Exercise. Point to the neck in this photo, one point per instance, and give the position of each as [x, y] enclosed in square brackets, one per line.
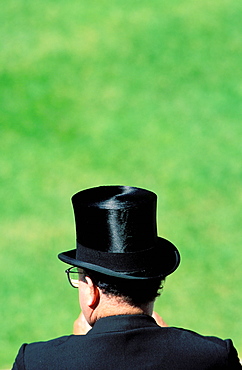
[113, 307]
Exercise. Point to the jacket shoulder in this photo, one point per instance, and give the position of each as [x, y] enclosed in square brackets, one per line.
[209, 347]
[41, 354]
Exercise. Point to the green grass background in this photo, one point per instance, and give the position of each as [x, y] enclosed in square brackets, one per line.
[136, 93]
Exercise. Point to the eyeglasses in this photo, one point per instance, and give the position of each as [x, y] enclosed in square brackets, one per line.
[74, 275]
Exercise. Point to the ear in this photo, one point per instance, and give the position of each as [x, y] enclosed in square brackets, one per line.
[92, 293]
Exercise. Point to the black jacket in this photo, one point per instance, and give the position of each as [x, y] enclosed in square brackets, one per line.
[129, 342]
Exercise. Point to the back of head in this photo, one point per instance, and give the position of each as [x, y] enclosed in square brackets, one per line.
[132, 292]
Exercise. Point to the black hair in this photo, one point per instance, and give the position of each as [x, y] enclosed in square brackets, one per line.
[134, 292]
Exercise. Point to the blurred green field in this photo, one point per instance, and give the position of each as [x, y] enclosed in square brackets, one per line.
[134, 93]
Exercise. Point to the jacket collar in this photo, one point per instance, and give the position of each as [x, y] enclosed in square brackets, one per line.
[121, 323]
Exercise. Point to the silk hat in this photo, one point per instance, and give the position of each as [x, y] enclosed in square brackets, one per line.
[116, 234]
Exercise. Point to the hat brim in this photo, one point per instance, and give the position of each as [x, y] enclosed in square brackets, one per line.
[157, 262]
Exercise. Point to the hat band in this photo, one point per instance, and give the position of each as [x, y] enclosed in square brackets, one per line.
[122, 262]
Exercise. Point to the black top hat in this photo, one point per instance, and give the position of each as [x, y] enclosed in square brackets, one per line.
[117, 236]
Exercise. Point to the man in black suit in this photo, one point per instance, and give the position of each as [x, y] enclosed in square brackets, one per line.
[118, 266]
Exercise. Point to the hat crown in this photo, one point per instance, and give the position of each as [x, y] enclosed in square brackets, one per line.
[115, 219]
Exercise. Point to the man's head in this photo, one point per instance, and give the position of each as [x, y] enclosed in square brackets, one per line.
[122, 261]
[101, 295]
[108, 295]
